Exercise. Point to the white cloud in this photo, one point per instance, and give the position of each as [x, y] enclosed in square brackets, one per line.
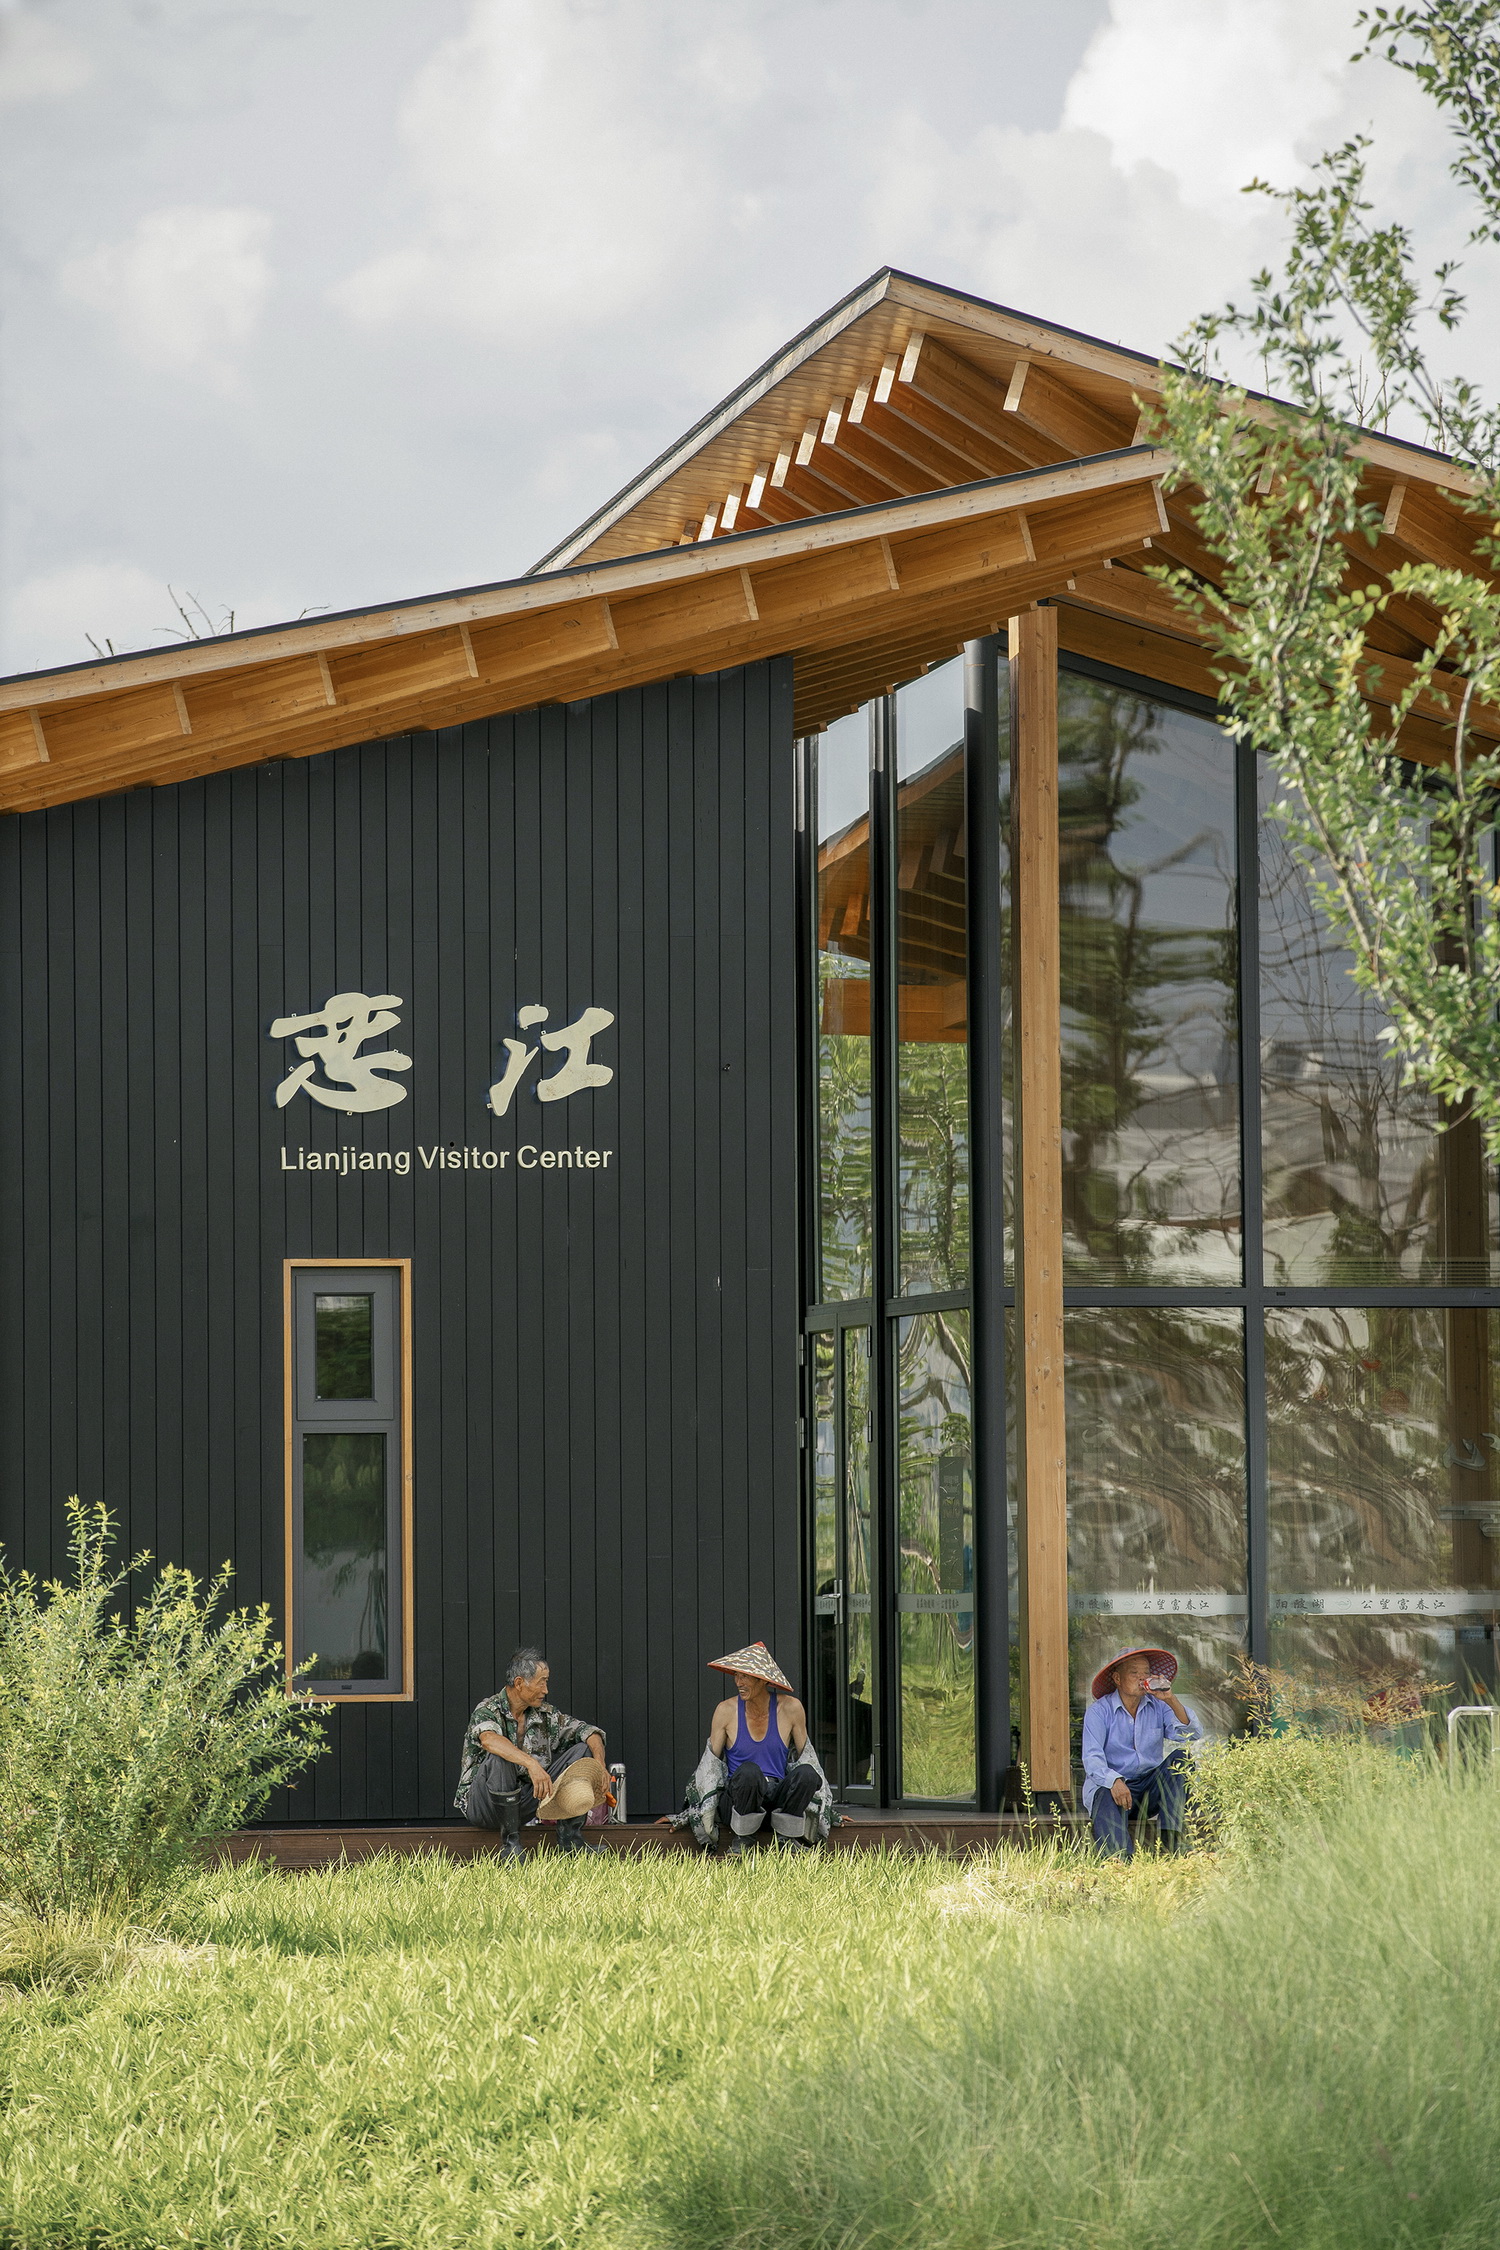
[38, 62]
[183, 291]
[55, 612]
[1214, 95]
[557, 149]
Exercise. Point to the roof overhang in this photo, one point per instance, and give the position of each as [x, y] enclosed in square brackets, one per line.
[1007, 390]
[860, 599]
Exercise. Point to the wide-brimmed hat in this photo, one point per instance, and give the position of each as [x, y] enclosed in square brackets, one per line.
[1160, 1660]
[582, 1785]
[757, 1660]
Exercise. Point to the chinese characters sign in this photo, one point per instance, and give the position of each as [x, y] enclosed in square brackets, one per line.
[331, 1036]
[335, 1073]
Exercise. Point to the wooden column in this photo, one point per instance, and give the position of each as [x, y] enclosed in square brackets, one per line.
[1042, 1486]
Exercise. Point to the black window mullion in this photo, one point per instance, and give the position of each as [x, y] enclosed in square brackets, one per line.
[1252, 1199]
[885, 1573]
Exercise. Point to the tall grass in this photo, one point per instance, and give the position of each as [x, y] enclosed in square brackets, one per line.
[1034, 2050]
[1308, 2056]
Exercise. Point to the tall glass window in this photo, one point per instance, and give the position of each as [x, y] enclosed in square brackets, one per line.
[1361, 1186]
[932, 984]
[841, 794]
[348, 1530]
[935, 1600]
[1151, 1170]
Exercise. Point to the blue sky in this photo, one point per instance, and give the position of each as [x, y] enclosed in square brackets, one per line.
[323, 302]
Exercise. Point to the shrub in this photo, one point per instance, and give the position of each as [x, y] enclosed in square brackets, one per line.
[1246, 1793]
[129, 1743]
[1307, 1744]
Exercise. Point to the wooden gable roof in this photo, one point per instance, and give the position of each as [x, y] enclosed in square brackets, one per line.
[913, 469]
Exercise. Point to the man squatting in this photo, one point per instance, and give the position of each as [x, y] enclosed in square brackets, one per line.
[523, 1759]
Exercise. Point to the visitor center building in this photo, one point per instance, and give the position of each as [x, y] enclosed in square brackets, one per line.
[773, 1078]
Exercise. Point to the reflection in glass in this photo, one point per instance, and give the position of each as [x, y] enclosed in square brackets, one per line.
[1151, 1182]
[344, 1346]
[1360, 1186]
[1157, 1538]
[827, 1588]
[1384, 1501]
[341, 1610]
[859, 1658]
[935, 1599]
[932, 1062]
[845, 1210]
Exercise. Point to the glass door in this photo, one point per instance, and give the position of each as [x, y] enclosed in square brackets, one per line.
[842, 1702]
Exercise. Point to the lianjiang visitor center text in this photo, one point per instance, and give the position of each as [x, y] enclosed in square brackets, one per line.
[770, 1079]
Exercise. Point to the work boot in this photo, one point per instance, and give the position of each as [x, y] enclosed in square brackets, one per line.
[570, 1835]
[509, 1802]
[741, 1847]
[794, 1844]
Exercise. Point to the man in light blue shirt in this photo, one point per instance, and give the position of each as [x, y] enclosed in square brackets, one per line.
[1133, 1733]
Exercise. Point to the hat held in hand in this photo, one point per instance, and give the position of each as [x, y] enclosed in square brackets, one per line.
[582, 1786]
[756, 1660]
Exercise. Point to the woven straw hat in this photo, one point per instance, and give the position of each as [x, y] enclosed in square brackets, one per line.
[1161, 1661]
[758, 1661]
[583, 1785]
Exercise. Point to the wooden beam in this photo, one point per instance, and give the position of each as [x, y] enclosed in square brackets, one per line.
[1042, 1478]
[1072, 424]
[971, 400]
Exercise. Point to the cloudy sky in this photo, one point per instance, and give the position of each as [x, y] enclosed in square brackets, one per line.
[311, 303]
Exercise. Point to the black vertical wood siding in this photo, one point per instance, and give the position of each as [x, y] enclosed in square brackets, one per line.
[604, 1362]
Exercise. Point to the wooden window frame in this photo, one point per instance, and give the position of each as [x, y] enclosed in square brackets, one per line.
[401, 1267]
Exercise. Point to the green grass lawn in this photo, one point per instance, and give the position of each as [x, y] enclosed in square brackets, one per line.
[845, 2052]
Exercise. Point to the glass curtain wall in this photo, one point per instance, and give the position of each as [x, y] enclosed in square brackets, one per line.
[1281, 1433]
[1282, 1268]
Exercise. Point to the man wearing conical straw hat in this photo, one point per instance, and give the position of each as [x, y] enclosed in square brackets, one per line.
[759, 1763]
[1135, 1733]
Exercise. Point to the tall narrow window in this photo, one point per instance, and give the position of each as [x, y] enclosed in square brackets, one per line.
[348, 1482]
[932, 1060]
[845, 1128]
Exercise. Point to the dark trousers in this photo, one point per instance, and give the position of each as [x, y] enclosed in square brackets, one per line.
[494, 1777]
[752, 1795]
[1162, 1791]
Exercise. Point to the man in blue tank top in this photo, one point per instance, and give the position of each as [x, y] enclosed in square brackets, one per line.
[758, 1732]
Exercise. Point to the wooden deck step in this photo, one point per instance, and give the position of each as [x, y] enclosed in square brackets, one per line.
[958, 1834]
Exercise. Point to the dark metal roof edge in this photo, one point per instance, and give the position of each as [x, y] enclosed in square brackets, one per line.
[576, 570]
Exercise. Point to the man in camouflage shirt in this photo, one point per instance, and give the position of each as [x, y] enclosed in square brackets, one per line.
[516, 1747]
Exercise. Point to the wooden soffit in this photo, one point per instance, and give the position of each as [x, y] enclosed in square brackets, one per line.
[902, 388]
[860, 600]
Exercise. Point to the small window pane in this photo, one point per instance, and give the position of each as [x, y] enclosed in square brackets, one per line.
[1381, 1427]
[1361, 1185]
[1157, 1516]
[1150, 1075]
[344, 1554]
[344, 1328]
